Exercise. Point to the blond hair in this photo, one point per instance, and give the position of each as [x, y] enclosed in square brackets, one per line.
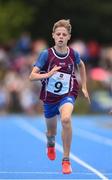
[63, 23]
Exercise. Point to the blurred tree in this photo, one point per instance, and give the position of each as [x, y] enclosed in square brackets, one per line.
[15, 16]
[90, 19]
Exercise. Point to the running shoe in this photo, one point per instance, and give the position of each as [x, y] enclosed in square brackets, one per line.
[66, 167]
[51, 153]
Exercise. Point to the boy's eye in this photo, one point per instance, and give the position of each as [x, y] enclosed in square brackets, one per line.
[64, 34]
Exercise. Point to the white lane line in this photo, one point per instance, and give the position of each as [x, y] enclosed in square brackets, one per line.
[46, 172]
[39, 135]
[41, 179]
[39, 172]
[93, 136]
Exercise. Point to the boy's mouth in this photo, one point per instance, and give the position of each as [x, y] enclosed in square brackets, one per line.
[60, 41]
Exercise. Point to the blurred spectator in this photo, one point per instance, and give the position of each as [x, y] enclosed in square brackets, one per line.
[101, 101]
[4, 98]
[81, 48]
[23, 44]
[29, 100]
[23, 97]
[4, 62]
[106, 58]
[3, 57]
[13, 84]
[93, 49]
[39, 45]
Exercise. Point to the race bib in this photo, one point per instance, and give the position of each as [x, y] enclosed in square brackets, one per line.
[59, 83]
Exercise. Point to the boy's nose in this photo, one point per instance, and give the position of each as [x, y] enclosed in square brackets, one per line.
[61, 36]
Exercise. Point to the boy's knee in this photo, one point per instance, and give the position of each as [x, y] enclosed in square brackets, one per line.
[66, 121]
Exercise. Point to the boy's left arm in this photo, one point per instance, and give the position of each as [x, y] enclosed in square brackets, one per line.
[82, 71]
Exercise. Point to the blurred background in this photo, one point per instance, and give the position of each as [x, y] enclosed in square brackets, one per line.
[25, 30]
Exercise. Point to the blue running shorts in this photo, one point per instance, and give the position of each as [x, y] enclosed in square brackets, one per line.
[51, 110]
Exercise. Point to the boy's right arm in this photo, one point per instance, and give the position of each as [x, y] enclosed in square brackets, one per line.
[36, 75]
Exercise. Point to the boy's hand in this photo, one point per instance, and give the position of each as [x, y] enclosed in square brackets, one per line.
[53, 70]
[86, 94]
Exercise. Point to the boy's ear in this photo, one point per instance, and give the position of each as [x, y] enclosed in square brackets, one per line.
[69, 36]
[53, 35]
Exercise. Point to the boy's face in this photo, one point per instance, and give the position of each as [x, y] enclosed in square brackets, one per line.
[61, 36]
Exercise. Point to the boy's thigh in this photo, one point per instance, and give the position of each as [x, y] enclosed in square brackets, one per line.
[50, 110]
[66, 106]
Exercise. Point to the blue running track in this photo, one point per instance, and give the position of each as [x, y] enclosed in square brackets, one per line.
[23, 148]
